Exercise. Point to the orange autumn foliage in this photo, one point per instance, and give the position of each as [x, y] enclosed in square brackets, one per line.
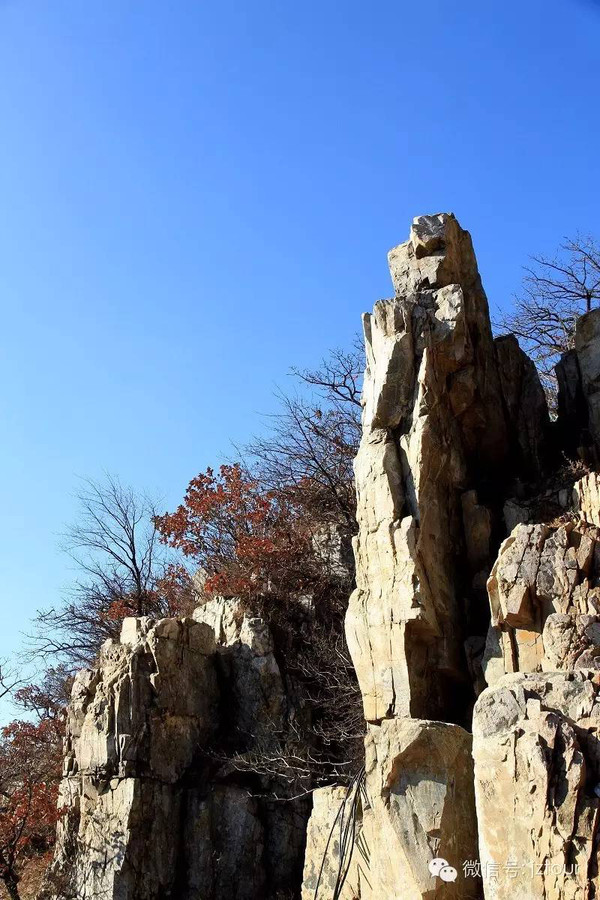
[249, 541]
[30, 759]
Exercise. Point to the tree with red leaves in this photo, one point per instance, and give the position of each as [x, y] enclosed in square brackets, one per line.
[30, 758]
[251, 543]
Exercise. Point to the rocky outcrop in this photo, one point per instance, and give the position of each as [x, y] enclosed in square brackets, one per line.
[154, 809]
[578, 376]
[544, 592]
[440, 435]
[537, 784]
[438, 439]
[455, 427]
[526, 408]
[586, 498]
[474, 578]
[416, 804]
[250, 678]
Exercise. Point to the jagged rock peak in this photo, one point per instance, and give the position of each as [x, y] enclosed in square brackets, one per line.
[440, 441]
[438, 252]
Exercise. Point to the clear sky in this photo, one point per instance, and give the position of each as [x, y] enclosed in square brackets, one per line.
[196, 196]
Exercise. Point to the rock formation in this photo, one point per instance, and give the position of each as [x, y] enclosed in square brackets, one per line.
[537, 776]
[151, 813]
[441, 438]
[545, 600]
[416, 803]
[579, 390]
[476, 608]
[455, 432]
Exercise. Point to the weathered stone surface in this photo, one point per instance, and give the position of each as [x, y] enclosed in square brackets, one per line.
[578, 375]
[436, 439]
[420, 791]
[536, 752]
[571, 642]
[586, 498]
[328, 824]
[332, 547]
[148, 706]
[249, 674]
[152, 813]
[572, 407]
[417, 804]
[541, 571]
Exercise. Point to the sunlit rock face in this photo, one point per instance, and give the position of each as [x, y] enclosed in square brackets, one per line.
[441, 437]
[416, 804]
[544, 592]
[537, 776]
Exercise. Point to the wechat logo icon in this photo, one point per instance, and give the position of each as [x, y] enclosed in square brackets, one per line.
[441, 868]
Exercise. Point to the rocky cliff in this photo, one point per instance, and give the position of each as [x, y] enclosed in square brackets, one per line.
[154, 807]
[474, 629]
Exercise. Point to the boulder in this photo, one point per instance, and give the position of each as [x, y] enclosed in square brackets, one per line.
[537, 786]
[416, 805]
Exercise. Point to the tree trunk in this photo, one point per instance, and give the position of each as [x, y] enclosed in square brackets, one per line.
[10, 883]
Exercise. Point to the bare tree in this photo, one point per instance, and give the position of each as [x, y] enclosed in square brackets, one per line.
[10, 681]
[339, 377]
[120, 564]
[313, 438]
[556, 291]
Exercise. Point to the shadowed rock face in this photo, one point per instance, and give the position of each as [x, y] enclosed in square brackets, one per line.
[578, 376]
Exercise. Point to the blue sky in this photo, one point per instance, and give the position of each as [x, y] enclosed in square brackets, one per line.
[197, 196]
